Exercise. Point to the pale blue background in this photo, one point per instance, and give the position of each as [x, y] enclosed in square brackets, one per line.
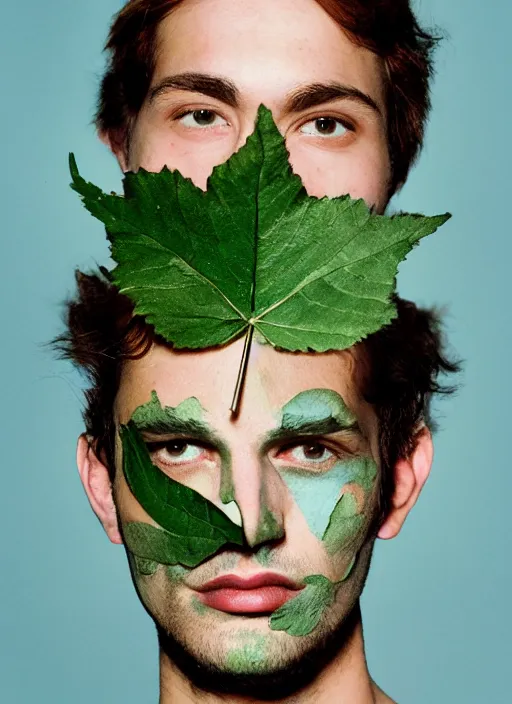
[437, 606]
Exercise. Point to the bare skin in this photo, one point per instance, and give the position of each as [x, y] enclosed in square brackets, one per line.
[217, 61]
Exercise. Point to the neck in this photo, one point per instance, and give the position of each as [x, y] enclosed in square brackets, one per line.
[345, 679]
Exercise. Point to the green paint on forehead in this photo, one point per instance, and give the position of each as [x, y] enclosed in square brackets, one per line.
[317, 494]
[314, 407]
[152, 413]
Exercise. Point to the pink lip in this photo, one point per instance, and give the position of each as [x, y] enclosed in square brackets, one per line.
[258, 594]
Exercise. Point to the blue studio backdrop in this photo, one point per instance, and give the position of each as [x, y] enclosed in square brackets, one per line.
[437, 604]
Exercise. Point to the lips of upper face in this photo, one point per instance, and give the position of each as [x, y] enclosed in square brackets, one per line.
[261, 593]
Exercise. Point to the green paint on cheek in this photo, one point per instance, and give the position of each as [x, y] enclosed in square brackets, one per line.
[349, 569]
[176, 573]
[145, 567]
[250, 657]
[152, 412]
[317, 494]
[317, 406]
[344, 524]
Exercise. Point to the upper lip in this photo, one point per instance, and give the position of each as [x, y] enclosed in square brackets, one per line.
[262, 579]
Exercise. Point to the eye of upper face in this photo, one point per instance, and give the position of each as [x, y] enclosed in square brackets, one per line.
[326, 127]
[201, 119]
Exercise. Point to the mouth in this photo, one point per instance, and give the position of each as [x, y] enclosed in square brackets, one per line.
[254, 595]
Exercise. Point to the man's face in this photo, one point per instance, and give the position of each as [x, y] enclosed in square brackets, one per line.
[303, 439]
[217, 61]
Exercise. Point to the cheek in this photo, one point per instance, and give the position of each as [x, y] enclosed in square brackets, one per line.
[361, 173]
[158, 587]
[194, 154]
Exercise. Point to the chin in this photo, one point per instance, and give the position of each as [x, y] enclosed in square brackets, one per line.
[249, 659]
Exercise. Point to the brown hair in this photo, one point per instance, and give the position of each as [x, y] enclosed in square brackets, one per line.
[388, 28]
[399, 373]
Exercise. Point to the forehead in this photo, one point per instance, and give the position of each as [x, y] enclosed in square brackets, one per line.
[295, 40]
[273, 379]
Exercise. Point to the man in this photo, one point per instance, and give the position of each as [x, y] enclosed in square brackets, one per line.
[249, 533]
[347, 82]
[216, 638]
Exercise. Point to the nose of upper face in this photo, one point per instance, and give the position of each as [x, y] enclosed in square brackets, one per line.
[261, 497]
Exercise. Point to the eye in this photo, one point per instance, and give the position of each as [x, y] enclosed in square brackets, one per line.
[325, 127]
[313, 452]
[201, 119]
[176, 452]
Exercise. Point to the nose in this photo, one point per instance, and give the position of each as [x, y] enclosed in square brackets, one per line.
[259, 493]
[249, 123]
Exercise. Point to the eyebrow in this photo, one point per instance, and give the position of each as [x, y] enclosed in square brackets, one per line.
[325, 426]
[192, 429]
[318, 93]
[224, 90]
[214, 86]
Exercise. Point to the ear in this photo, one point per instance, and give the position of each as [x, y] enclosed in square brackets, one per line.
[410, 477]
[115, 147]
[98, 487]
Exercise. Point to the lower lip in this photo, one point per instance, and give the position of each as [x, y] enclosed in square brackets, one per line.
[262, 600]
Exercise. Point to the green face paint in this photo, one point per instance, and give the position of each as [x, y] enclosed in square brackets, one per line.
[312, 410]
[176, 573]
[322, 411]
[318, 495]
[152, 414]
[250, 657]
[268, 527]
[345, 521]
[199, 607]
[334, 519]
[145, 567]
[194, 529]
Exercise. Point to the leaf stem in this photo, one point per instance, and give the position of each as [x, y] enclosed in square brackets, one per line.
[242, 372]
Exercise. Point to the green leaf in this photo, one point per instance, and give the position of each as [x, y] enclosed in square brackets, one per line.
[156, 545]
[344, 524]
[302, 614]
[253, 251]
[194, 528]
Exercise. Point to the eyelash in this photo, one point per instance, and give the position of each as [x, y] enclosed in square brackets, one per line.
[308, 441]
[347, 124]
[188, 111]
[278, 454]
